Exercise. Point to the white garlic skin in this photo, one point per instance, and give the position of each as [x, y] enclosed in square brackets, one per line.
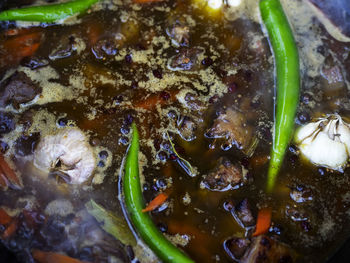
[325, 142]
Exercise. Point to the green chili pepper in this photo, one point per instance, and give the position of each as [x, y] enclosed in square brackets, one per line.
[288, 82]
[142, 222]
[47, 13]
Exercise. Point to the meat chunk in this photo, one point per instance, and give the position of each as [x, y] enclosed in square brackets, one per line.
[186, 59]
[68, 152]
[192, 102]
[34, 62]
[107, 46]
[18, 89]
[259, 249]
[301, 194]
[296, 214]
[225, 177]
[25, 145]
[7, 122]
[236, 247]
[179, 34]
[187, 128]
[265, 249]
[243, 214]
[68, 47]
[233, 127]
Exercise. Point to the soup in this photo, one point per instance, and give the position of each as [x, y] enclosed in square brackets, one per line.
[197, 78]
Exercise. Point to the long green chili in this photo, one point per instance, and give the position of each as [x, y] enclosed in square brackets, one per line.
[142, 222]
[47, 13]
[288, 82]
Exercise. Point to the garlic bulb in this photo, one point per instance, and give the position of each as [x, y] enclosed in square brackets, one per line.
[325, 142]
[67, 151]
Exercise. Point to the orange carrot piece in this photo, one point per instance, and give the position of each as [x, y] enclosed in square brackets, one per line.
[259, 160]
[10, 230]
[12, 32]
[4, 217]
[51, 257]
[156, 99]
[21, 41]
[20, 44]
[148, 103]
[27, 51]
[9, 173]
[157, 201]
[19, 31]
[263, 222]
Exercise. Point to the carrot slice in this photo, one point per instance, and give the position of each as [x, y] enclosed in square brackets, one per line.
[4, 217]
[156, 202]
[17, 43]
[263, 222]
[9, 173]
[153, 100]
[12, 32]
[19, 31]
[27, 51]
[51, 257]
[20, 44]
[259, 160]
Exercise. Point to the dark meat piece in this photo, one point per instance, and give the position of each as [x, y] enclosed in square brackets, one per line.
[301, 194]
[187, 128]
[232, 126]
[54, 232]
[17, 89]
[236, 247]
[194, 104]
[3, 147]
[265, 249]
[7, 122]
[224, 177]
[25, 145]
[296, 214]
[243, 214]
[34, 62]
[186, 59]
[66, 49]
[106, 47]
[26, 119]
[179, 34]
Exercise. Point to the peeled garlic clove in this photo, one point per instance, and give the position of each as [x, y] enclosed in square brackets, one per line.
[324, 151]
[343, 132]
[325, 142]
[306, 131]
